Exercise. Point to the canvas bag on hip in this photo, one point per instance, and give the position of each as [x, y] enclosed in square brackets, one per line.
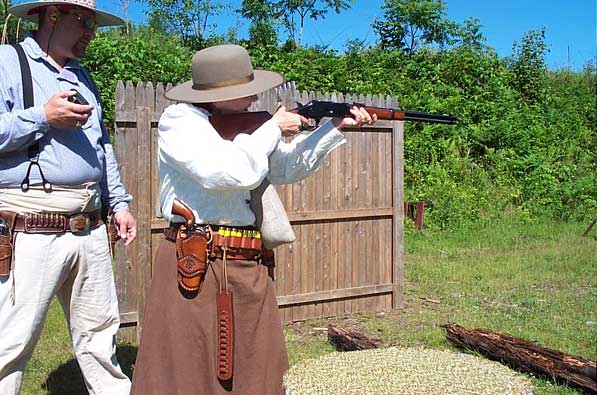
[270, 216]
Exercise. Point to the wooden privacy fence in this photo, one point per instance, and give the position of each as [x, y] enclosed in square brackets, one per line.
[348, 217]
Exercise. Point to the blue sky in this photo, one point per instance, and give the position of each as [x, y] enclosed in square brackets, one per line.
[571, 32]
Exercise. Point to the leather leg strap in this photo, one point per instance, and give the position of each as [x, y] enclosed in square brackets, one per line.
[225, 324]
[225, 335]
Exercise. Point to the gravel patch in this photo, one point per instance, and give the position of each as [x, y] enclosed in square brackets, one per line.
[401, 371]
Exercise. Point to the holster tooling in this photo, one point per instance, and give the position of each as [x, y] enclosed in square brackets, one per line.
[191, 249]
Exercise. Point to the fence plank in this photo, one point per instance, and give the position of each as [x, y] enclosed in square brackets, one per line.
[128, 313]
[398, 227]
[144, 256]
[335, 294]
[125, 277]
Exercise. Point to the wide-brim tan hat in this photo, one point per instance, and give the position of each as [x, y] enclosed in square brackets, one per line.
[27, 11]
[223, 72]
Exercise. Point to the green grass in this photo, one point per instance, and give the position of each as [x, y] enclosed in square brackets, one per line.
[531, 280]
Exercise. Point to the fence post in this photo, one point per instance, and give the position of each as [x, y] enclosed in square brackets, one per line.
[398, 214]
[143, 241]
[420, 215]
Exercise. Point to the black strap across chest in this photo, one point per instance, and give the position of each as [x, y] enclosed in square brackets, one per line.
[28, 101]
[26, 78]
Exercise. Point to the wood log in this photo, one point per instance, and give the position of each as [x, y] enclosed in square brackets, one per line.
[347, 340]
[527, 356]
[593, 222]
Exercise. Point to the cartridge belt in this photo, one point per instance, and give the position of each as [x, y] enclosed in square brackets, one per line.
[243, 243]
[56, 223]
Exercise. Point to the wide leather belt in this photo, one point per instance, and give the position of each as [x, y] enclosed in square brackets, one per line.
[242, 242]
[57, 223]
[235, 255]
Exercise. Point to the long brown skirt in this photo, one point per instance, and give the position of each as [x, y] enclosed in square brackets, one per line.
[177, 352]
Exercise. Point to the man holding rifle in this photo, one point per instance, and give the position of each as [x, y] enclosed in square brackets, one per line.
[58, 177]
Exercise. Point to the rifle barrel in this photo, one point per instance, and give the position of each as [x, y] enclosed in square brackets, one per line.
[390, 114]
[426, 117]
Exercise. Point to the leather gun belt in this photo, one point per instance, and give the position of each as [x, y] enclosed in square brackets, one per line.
[56, 223]
[243, 243]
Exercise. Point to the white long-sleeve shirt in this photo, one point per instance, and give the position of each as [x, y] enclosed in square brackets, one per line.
[215, 176]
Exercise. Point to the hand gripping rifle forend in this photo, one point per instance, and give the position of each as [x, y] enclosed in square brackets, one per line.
[191, 249]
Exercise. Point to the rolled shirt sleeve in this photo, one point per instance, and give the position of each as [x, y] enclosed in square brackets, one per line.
[304, 155]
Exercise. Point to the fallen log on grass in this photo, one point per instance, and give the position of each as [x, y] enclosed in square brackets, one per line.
[526, 356]
[347, 340]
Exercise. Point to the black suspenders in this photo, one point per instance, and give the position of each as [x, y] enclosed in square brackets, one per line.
[33, 151]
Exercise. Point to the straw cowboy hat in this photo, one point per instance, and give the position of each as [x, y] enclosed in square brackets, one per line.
[223, 72]
[29, 10]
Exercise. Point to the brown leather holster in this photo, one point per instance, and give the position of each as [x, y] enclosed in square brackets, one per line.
[111, 229]
[191, 249]
[191, 257]
[6, 242]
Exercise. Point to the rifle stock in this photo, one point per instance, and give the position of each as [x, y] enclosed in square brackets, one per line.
[231, 125]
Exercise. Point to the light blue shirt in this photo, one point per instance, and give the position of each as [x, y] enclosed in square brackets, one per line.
[67, 156]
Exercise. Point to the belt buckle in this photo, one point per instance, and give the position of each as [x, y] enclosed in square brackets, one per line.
[79, 223]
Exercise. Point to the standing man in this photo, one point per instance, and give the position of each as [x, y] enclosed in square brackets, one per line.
[57, 173]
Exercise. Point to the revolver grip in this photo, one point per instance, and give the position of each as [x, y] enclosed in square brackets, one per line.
[181, 209]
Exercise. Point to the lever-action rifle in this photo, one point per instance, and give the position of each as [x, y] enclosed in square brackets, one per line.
[229, 125]
[317, 109]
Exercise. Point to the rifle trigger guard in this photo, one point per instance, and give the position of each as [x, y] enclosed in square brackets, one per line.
[310, 128]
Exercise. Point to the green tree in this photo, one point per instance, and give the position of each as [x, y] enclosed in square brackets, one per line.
[469, 34]
[147, 56]
[287, 11]
[411, 24]
[528, 66]
[188, 19]
[12, 28]
[263, 28]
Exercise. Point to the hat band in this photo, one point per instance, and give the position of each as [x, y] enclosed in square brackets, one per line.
[222, 84]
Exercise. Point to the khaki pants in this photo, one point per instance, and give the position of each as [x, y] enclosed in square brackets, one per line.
[76, 268]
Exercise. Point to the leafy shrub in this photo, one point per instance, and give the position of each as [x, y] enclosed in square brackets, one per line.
[146, 56]
[525, 141]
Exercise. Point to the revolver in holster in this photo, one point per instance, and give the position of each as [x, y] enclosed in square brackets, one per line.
[191, 249]
[7, 220]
